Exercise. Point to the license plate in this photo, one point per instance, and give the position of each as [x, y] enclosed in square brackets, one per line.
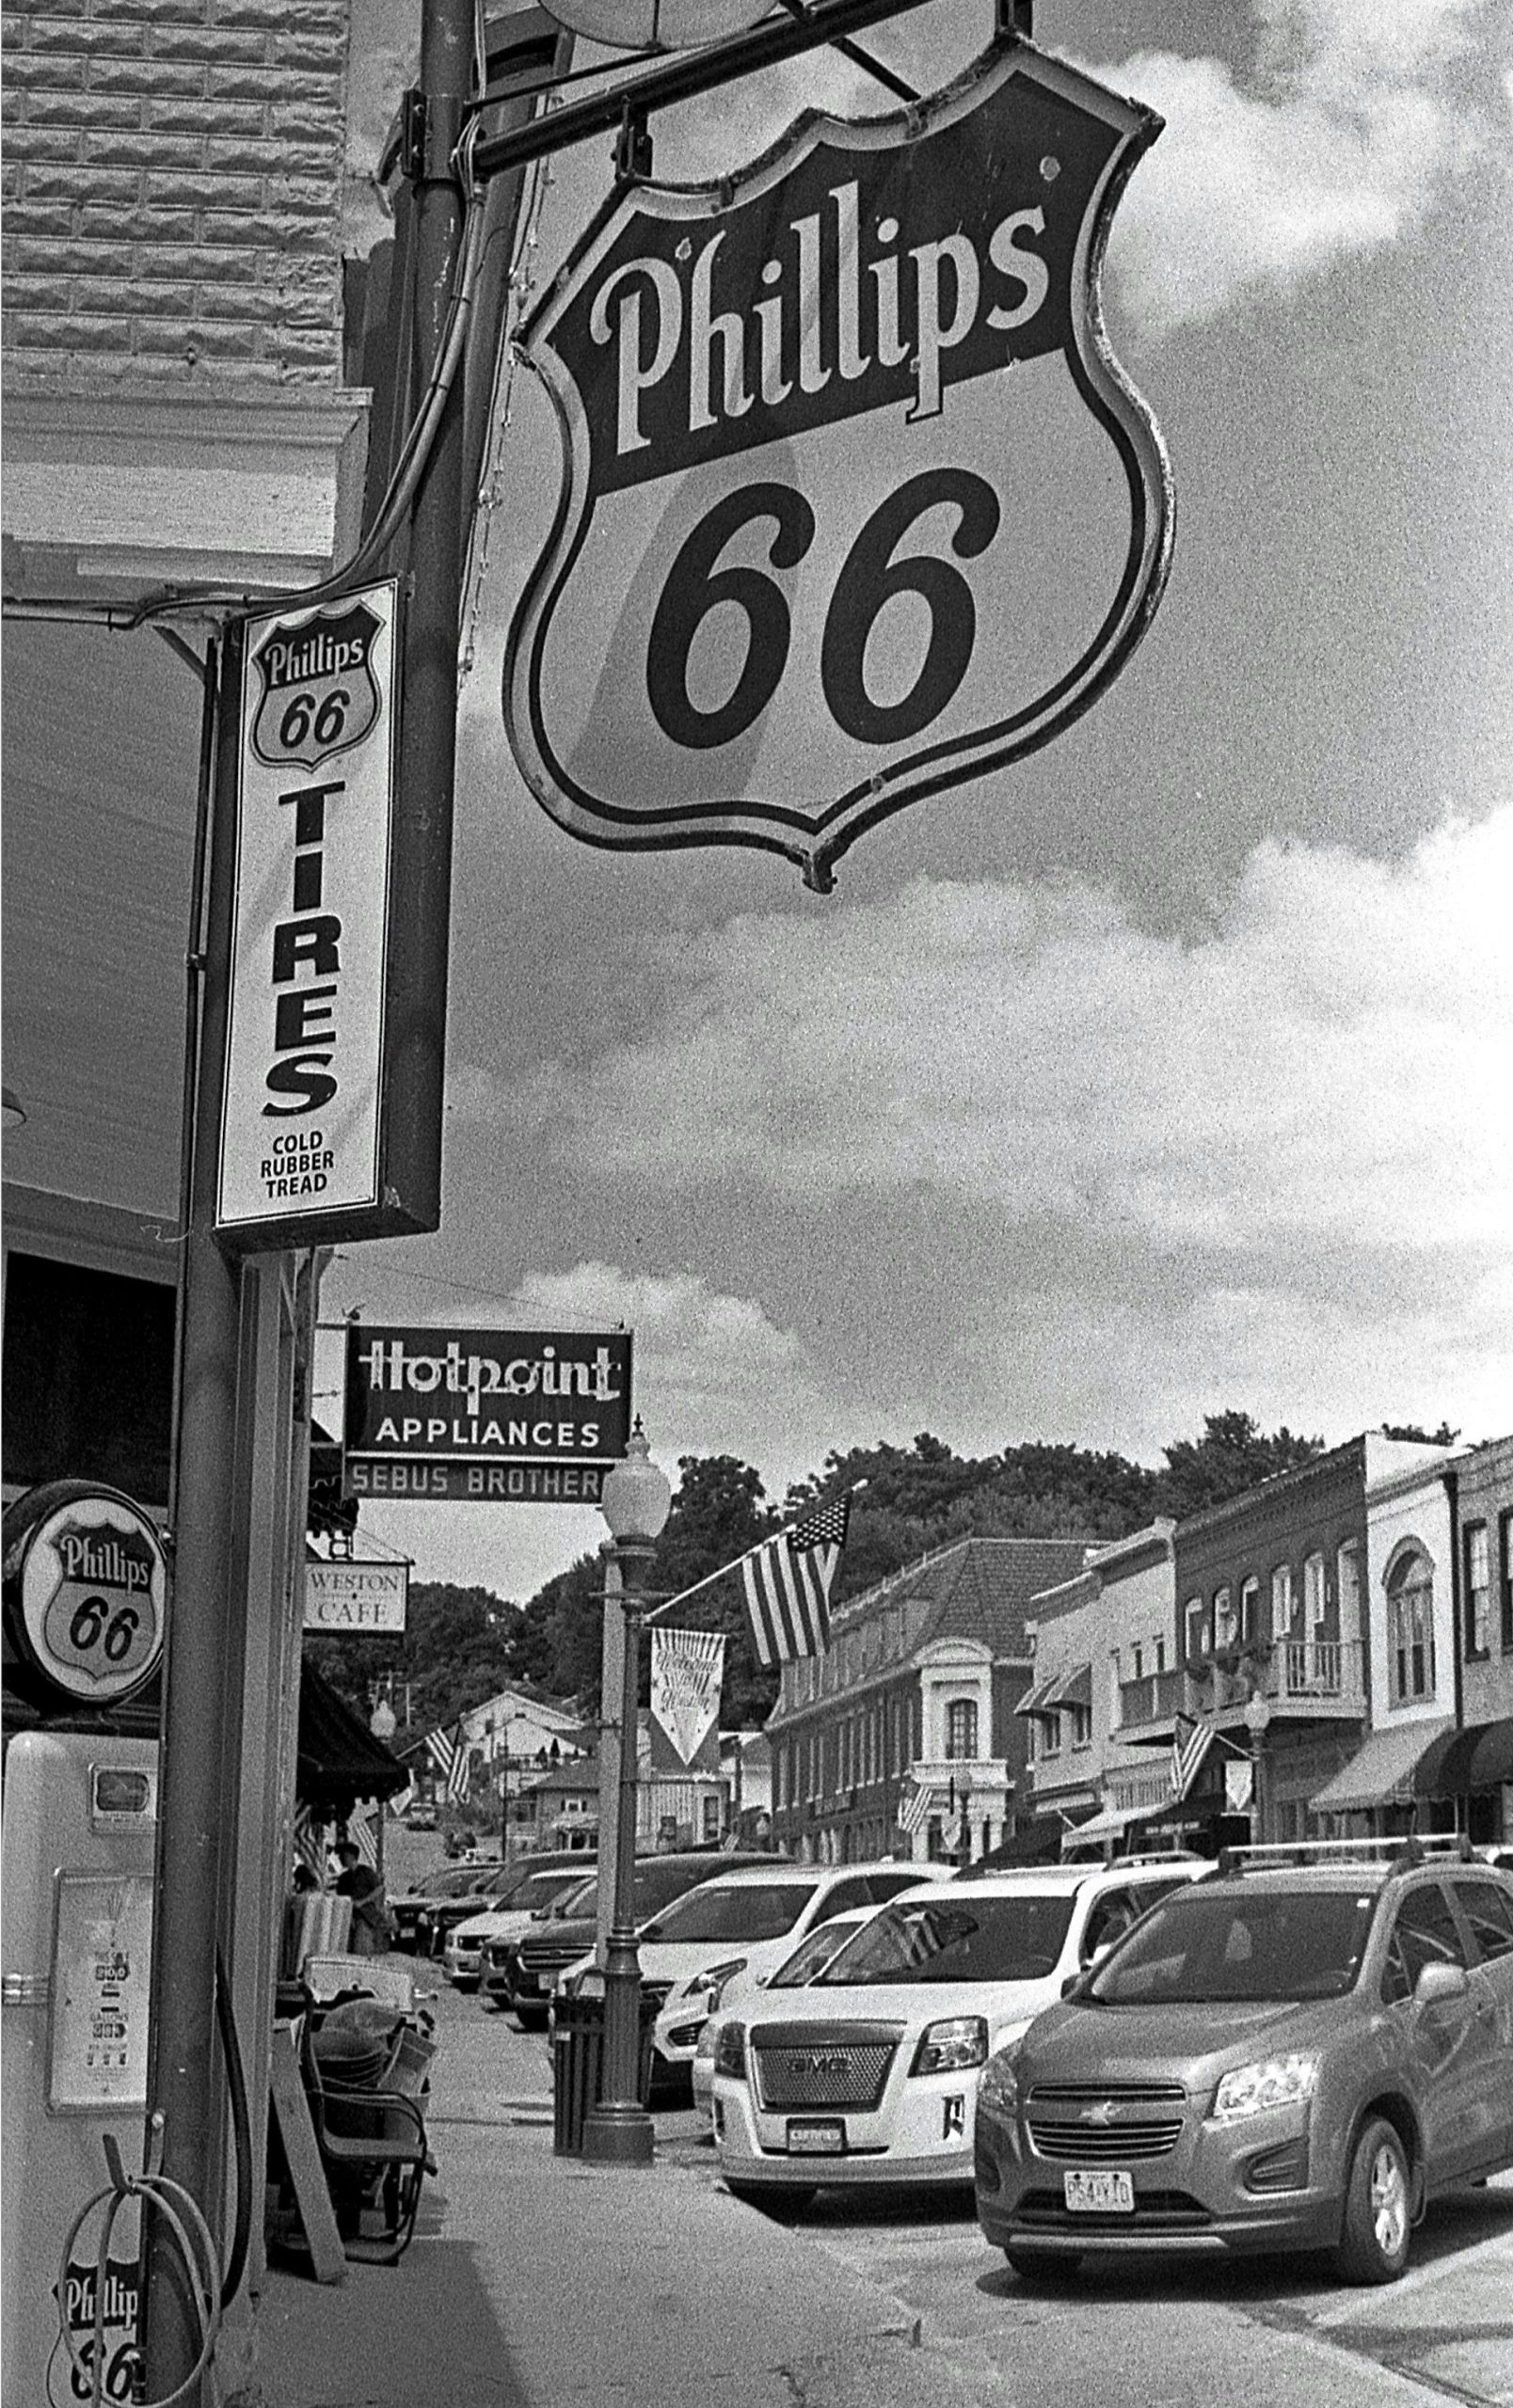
[816, 2139]
[1106, 2192]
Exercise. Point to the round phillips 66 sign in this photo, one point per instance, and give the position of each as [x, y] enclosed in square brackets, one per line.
[857, 504]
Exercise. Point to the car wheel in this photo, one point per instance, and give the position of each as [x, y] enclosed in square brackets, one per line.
[1379, 2209]
[1041, 2265]
[774, 2199]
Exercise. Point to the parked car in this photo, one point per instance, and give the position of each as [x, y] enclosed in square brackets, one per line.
[523, 1974]
[871, 2077]
[1295, 2056]
[742, 1923]
[420, 1818]
[414, 1905]
[821, 1942]
[510, 1914]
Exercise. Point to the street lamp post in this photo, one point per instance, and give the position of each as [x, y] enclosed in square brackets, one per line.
[618, 2131]
[1257, 1722]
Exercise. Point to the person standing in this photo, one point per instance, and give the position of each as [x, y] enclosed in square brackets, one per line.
[370, 1911]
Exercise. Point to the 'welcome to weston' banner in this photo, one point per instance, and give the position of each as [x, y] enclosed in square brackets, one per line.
[508, 1416]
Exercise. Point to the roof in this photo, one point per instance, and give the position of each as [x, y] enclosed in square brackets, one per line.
[982, 1588]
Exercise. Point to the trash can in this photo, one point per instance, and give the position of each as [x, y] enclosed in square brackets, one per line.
[578, 2066]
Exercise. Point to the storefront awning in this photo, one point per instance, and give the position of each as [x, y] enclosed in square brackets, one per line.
[340, 1760]
[1381, 1771]
[1110, 1823]
[1458, 1762]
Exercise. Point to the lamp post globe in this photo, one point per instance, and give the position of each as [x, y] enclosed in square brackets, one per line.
[634, 1501]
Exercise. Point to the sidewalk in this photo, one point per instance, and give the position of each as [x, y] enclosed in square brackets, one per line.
[536, 2281]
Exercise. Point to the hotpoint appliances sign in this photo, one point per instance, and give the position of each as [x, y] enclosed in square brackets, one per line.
[484, 1415]
[858, 504]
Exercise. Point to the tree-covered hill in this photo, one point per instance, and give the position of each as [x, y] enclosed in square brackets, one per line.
[465, 1644]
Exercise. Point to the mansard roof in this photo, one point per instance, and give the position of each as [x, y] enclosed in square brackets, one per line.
[975, 1588]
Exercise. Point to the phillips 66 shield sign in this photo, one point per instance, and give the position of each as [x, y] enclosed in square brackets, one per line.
[857, 504]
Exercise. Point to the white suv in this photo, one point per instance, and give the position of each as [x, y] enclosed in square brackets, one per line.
[463, 1955]
[870, 2075]
[742, 1923]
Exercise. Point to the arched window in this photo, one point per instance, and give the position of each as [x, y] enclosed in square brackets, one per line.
[1410, 1625]
[960, 1729]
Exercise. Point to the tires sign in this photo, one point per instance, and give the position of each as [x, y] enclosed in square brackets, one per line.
[301, 1157]
[92, 1593]
[858, 504]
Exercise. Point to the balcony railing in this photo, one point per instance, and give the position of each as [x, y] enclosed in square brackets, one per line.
[1327, 1673]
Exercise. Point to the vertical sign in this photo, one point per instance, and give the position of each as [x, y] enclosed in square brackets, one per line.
[301, 1147]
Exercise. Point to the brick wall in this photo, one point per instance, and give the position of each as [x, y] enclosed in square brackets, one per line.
[172, 182]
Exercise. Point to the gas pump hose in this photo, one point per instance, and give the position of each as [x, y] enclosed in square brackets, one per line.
[185, 2219]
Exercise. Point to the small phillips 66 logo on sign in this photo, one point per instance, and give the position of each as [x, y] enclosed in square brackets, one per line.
[858, 504]
[318, 695]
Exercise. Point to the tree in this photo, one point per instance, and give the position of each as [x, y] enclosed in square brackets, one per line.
[1231, 1455]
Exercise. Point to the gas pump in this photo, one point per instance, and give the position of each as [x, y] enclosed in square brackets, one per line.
[84, 1593]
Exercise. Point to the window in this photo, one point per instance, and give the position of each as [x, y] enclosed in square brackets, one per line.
[1426, 1934]
[1478, 1589]
[961, 1730]
[1315, 1596]
[1049, 1726]
[712, 1818]
[1282, 1601]
[1223, 1616]
[1347, 1575]
[1250, 1606]
[1489, 1912]
[1081, 1726]
[1195, 1625]
[1411, 1627]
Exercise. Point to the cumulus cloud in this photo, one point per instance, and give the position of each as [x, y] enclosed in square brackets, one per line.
[1329, 1061]
[1357, 118]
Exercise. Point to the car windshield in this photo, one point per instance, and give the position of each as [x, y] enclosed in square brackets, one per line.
[1246, 1946]
[659, 1881]
[743, 1910]
[954, 1940]
[443, 1885]
[812, 1954]
[538, 1890]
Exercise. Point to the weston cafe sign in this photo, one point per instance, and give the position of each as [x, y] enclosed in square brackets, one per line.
[500, 1416]
[858, 504]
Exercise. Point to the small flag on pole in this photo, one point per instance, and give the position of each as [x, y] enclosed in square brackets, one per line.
[788, 1582]
[1189, 1748]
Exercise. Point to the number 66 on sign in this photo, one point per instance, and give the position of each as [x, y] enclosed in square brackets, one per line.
[856, 504]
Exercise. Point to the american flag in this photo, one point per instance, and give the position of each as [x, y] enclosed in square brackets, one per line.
[1189, 1748]
[915, 1808]
[452, 1759]
[787, 1581]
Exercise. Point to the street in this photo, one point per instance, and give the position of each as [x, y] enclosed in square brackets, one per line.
[1161, 2332]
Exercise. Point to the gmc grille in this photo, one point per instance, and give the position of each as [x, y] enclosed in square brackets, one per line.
[823, 2065]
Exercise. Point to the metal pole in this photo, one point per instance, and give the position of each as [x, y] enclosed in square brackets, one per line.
[618, 2131]
[612, 1702]
[201, 1734]
[428, 732]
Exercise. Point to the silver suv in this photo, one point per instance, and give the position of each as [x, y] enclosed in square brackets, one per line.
[1294, 2055]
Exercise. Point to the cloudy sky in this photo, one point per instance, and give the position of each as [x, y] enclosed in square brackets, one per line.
[1165, 1072]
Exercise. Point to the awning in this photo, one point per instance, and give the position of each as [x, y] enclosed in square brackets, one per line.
[340, 1760]
[1381, 1771]
[1074, 1688]
[1036, 1697]
[1110, 1823]
[1458, 1762]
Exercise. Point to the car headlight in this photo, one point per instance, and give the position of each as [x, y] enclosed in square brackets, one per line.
[713, 1979]
[589, 1983]
[1271, 2082]
[960, 2041]
[730, 2052]
[709, 2036]
[1000, 2086]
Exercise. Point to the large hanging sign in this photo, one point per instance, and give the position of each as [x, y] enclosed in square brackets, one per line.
[303, 1133]
[484, 1415]
[857, 504]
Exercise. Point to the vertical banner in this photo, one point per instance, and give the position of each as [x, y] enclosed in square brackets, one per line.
[304, 1094]
[687, 1669]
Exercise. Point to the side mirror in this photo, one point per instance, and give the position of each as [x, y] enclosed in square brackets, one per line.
[1439, 1981]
